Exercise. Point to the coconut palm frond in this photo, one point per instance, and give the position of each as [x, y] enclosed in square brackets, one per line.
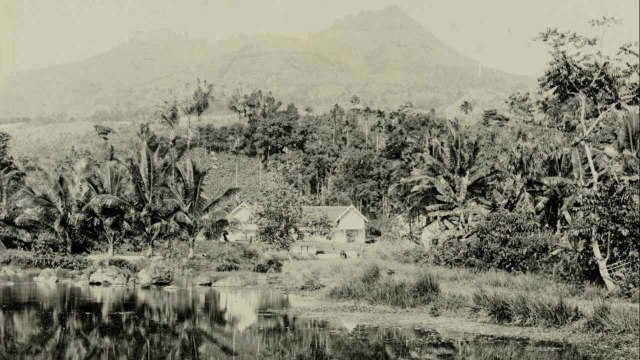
[217, 201]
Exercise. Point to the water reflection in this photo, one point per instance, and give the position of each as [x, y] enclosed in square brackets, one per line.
[48, 321]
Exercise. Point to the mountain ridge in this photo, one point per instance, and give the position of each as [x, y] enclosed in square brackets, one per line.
[383, 56]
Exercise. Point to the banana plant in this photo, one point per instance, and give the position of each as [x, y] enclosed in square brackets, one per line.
[453, 180]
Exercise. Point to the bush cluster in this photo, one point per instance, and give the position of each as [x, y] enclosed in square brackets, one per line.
[505, 241]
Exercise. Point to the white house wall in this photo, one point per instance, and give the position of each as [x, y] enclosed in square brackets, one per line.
[351, 221]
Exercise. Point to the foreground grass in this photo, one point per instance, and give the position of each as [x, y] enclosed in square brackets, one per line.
[497, 297]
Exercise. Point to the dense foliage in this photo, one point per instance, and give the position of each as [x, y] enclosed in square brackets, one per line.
[549, 186]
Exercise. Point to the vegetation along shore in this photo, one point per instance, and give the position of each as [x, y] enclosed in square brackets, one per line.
[517, 221]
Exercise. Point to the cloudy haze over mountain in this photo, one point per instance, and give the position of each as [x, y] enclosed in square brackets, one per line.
[387, 55]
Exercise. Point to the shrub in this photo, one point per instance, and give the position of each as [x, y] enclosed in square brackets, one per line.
[412, 255]
[611, 217]
[26, 260]
[229, 264]
[271, 265]
[123, 264]
[506, 241]
[312, 281]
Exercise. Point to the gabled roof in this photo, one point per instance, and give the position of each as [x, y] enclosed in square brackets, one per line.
[333, 213]
[242, 205]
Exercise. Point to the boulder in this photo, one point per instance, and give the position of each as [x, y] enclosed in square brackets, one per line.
[203, 280]
[109, 276]
[47, 276]
[155, 274]
[170, 288]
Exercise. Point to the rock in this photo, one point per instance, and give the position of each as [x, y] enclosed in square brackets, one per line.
[47, 276]
[202, 280]
[155, 274]
[109, 276]
[170, 288]
[6, 283]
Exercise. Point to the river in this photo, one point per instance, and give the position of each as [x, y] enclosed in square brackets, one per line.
[66, 321]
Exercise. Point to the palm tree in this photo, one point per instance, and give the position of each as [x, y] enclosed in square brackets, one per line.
[150, 175]
[11, 184]
[108, 208]
[192, 210]
[466, 107]
[56, 208]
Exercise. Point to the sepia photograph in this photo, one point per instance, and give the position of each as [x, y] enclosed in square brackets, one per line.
[319, 179]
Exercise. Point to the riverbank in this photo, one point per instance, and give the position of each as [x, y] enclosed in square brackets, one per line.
[383, 293]
[455, 308]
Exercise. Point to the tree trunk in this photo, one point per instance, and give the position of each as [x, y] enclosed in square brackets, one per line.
[192, 244]
[150, 249]
[602, 265]
[594, 173]
[110, 250]
[68, 242]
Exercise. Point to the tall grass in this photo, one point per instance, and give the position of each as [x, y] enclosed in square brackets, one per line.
[526, 310]
[615, 318]
[377, 288]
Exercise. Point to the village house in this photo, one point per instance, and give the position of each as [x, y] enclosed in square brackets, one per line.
[348, 228]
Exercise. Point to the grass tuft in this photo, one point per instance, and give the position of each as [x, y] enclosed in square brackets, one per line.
[615, 318]
[526, 310]
[371, 286]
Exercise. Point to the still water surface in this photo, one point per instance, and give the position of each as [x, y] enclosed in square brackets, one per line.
[57, 321]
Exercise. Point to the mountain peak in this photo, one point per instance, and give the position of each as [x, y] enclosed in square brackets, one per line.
[382, 55]
[393, 10]
[388, 16]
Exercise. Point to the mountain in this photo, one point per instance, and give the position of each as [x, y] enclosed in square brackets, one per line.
[384, 57]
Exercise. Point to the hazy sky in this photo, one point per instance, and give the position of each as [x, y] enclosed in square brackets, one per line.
[498, 33]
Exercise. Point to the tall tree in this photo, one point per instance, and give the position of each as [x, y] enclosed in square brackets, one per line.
[150, 174]
[109, 208]
[581, 77]
[191, 208]
[198, 103]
